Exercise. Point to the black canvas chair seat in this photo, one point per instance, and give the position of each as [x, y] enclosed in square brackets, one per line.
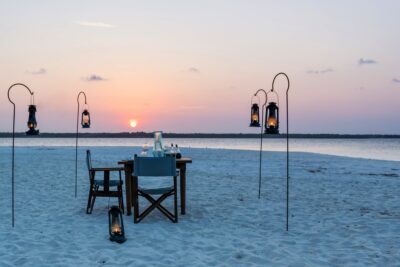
[155, 167]
[103, 187]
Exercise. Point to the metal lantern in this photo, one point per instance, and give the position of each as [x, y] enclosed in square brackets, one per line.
[116, 225]
[32, 124]
[272, 119]
[85, 119]
[255, 115]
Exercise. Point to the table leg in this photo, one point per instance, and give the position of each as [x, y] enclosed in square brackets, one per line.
[106, 181]
[182, 176]
[135, 198]
[128, 192]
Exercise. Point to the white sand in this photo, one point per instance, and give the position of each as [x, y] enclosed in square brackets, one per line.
[344, 212]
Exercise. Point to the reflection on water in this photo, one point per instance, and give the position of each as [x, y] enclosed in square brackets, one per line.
[385, 149]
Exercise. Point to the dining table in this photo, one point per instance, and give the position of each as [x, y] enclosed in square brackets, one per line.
[129, 165]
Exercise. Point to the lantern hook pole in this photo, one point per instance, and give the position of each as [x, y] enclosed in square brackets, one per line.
[76, 143]
[261, 136]
[13, 145]
[287, 78]
[287, 144]
[21, 84]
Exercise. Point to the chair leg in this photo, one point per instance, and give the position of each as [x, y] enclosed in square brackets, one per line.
[121, 193]
[156, 204]
[96, 188]
[175, 201]
[147, 211]
[135, 199]
[89, 201]
[121, 199]
[93, 200]
[136, 212]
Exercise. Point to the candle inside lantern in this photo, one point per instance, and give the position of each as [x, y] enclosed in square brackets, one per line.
[85, 119]
[254, 117]
[116, 229]
[272, 122]
[116, 226]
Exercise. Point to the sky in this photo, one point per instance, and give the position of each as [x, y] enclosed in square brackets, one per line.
[193, 66]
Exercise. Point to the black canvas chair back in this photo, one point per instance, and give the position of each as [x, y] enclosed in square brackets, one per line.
[155, 167]
[103, 187]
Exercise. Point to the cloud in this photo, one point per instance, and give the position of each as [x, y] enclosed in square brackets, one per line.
[94, 24]
[323, 71]
[362, 61]
[193, 70]
[38, 72]
[94, 78]
[396, 80]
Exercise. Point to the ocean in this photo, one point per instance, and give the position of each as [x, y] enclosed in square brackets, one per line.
[374, 148]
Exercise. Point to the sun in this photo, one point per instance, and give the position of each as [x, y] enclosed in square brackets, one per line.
[133, 123]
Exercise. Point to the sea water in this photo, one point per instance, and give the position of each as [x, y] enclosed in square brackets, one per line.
[373, 148]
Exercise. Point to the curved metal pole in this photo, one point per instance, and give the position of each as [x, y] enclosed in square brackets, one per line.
[76, 146]
[13, 153]
[261, 136]
[287, 144]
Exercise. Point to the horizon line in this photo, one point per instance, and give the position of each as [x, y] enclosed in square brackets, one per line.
[194, 135]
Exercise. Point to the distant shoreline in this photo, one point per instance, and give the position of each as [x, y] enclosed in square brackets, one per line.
[201, 135]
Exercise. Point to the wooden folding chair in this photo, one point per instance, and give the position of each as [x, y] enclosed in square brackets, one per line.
[154, 167]
[101, 187]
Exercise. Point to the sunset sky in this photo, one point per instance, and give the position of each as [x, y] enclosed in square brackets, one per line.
[192, 66]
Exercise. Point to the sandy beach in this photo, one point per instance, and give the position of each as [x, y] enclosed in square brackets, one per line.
[344, 212]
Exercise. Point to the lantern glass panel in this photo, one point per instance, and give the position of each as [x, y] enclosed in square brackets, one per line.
[32, 123]
[85, 119]
[116, 226]
[272, 119]
[255, 116]
[272, 123]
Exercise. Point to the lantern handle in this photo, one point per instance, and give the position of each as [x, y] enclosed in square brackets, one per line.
[86, 106]
[266, 96]
[277, 96]
[254, 96]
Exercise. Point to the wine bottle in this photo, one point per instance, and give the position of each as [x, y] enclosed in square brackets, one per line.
[178, 152]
